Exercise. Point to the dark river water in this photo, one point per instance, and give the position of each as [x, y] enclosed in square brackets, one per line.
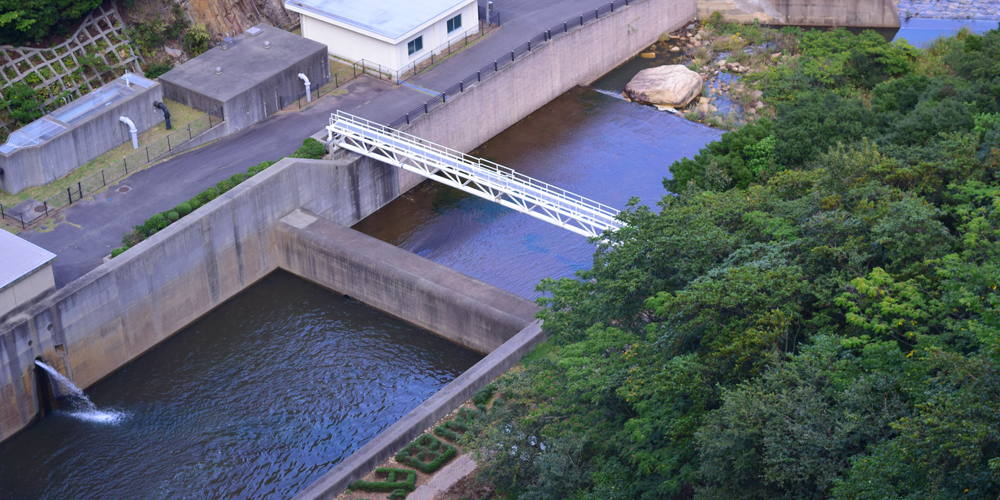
[254, 401]
[269, 391]
[585, 141]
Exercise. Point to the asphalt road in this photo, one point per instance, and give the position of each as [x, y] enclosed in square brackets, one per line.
[90, 229]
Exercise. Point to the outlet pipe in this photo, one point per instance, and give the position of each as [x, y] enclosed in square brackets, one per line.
[308, 91]
[132, 129]
[166, 112]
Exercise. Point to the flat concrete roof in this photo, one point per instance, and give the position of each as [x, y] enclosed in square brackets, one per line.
[19, 258]
[389, 18]
[244, 65]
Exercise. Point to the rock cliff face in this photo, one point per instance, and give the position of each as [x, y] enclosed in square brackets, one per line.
[235, 16]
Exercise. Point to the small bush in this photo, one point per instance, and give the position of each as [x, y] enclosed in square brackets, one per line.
[173, 216]
[484, 395]
[157, 69]
[397, 494]
[311, 149]
[260, 167]
[238, 178]
[451, 430]
[394, 479]
[184, 208]
[196, 40]
[154, 223]
[224, 186]
[426, 454]
[118, 251]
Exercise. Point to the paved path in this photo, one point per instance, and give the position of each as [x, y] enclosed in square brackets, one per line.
[91, 229]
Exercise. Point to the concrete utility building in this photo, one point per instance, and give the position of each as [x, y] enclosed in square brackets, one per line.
[249, 77]
[60, 142]
[25, 274]
[391, 33]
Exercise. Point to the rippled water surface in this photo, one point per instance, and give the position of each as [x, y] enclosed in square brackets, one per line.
[254, 401]
[585, 141]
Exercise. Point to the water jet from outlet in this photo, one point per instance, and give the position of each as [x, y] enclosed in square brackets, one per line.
[77, 403]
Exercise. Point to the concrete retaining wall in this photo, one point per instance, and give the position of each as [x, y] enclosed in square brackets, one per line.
[82, 142]
[832, 13]
[577, 58]
[98, 323]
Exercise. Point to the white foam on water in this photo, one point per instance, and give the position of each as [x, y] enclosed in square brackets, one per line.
[84, 408]
[100, 417]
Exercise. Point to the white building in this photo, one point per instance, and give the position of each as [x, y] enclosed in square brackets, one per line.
[25, 274]
[391, 33]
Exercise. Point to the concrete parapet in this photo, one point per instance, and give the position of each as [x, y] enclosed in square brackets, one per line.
[96, 324]
[436, 298]
[577, 58]
[818, 13]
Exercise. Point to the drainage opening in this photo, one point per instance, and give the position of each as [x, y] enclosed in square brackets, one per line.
[43, 389]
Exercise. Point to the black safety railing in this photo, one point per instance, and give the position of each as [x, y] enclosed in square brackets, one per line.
[571, 24]
[147, 154]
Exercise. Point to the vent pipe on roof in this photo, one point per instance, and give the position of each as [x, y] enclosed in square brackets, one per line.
[305, 78]
[132, 129]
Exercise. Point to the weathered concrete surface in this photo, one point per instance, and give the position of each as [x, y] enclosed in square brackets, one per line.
[81, 142]
[444, 479]
[253, 77]
[94, 325]
[436, 298]
[577, 58]
[832, 13]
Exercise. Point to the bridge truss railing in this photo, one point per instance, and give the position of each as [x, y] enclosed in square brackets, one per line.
[473, 175]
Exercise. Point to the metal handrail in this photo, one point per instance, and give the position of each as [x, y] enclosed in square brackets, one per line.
[488, 173]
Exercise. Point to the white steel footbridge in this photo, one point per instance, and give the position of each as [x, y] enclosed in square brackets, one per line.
[473, 175]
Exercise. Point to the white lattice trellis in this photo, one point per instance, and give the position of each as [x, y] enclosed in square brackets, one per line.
[58, 71]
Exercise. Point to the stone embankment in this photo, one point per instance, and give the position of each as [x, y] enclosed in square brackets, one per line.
[978, 10]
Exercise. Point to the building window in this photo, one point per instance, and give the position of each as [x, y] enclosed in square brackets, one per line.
[415, 45]
[454, 23]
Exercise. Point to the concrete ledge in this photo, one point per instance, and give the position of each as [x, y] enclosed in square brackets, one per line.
[376, 451]
[463, 310]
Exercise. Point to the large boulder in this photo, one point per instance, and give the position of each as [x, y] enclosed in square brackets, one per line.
[672, 85]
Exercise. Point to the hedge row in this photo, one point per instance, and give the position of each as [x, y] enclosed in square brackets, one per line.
[407, 481]
[426, 454]
[450, 430]
[311, 148]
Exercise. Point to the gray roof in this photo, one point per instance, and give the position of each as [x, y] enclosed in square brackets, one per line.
[389, 18]
[18, 258]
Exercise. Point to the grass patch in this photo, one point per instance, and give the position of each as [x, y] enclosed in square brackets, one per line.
[180, 117]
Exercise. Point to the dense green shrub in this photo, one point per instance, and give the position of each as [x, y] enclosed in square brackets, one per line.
[397, 494]
[260, 167]
[183, 208]
[24, 20]
[426, 454]
[311, 148]
[157, 69]
[451, 430]
[484, 395]
[23, 103]
[829, 330]
[118, 251]
[238, 178]
[225, 185]
[173, 216]
[196, 40]
[155, 223]
[393, 479]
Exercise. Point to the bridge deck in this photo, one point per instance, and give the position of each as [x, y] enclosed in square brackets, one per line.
[473, 175]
